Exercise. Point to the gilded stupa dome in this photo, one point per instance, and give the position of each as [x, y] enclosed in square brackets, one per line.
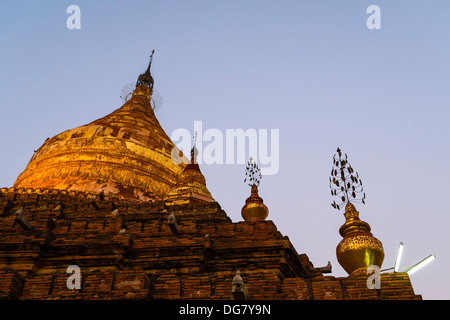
[126, 153]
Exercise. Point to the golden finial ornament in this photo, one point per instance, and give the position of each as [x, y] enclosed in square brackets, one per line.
[254, 208]
[146, 79]
[359, 248]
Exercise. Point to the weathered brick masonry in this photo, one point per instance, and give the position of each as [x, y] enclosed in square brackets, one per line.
[127, 250]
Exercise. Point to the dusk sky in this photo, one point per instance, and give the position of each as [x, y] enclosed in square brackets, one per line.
[311, 69]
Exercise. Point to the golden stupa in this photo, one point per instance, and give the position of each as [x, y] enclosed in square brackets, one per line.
[126, 153]
[254, 208]
[358, 249]
[191, 184]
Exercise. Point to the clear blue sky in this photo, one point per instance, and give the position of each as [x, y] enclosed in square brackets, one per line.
[311, 69]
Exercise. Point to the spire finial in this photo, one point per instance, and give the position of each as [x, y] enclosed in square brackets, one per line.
[253, 173]
[194, 150]
[345, 182]
[359, 249]
[146, 77]
[150, 63]
[254, 208]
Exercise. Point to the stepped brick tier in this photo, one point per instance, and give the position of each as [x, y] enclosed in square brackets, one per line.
[129, 250]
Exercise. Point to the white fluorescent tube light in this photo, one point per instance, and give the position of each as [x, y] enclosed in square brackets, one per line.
[421, 264]
[399, 257]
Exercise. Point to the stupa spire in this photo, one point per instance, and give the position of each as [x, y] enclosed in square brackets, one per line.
[254, 208]
[358, 249]
[194, 150]
[146, 78]
[191, 184]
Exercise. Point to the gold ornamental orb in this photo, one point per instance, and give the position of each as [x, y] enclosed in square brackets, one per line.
[359, 248]
[254, 208]
[358, 251]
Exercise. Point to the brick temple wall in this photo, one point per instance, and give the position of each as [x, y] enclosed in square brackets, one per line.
[129, 251]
